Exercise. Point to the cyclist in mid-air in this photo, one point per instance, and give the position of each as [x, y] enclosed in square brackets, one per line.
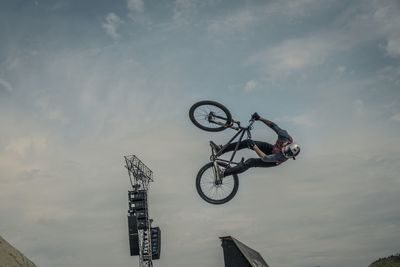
[269, 155]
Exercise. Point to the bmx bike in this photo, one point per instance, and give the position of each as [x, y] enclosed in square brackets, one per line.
[214, 117]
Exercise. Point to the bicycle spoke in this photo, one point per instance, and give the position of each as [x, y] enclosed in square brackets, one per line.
[222, 189]
[223, 193]
[213, 189]
[216, 192]
[202, 114]
[228, 188]
[204, 110]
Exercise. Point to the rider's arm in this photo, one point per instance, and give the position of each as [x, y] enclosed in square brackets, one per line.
[271, 124]
[279, 131]
[272, 158]
[259, 152]
[264, 157]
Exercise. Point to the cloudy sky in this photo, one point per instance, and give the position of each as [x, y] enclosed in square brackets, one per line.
[83, 83]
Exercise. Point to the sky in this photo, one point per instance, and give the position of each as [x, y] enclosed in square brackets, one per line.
[84, 83]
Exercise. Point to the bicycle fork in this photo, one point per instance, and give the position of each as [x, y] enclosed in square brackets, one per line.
[217, 173]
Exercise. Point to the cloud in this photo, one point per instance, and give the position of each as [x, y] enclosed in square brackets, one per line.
[22, 146]
[307, 120]
[372, 20]
[111, 24]
[60, 175]
[233, 23]
[5, 85]
[359, 108]
[184, 11]
[242, 19]
[135, 5]
[293, 55]
[341, 69]
[390, 74]
[58, 5]
[388, 24]
[136, 10]
[294, 9]
[50, 110]
[393, 46]
[250, 86]
[396, 117]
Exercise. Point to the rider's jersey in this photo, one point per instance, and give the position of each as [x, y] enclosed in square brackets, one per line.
[283, 139]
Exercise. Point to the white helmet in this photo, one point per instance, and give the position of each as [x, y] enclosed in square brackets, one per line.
[291, 150]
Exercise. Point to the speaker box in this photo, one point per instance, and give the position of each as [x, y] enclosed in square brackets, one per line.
[134, 244]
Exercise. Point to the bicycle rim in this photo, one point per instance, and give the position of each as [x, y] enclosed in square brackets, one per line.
[212, 192]
[210, 116]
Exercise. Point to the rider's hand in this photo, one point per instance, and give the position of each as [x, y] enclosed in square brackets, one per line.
[255, 116]
[250, 144]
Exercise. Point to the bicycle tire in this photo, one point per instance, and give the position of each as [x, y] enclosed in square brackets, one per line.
[211, 200]
[206, 107]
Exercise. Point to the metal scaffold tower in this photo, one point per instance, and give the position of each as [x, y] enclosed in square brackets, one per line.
[144, 240]
[139, 174]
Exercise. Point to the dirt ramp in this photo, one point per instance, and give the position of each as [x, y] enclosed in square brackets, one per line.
[391, 261]
[12, 257]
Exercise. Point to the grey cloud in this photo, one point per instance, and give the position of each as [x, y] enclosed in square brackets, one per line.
[183, 10]
[137, 13]
[295, 9]
[190, 12]
[396, 117]
[135, 5]
[74, 112]
[111, 24]
[57, 5]
[374, 20]
[5, 85]
[250, 86]
[308, 120]
[393, 46]
[386, 15]
[292, 56]
[233, 23]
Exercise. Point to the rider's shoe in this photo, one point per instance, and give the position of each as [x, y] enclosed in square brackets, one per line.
[215, 147]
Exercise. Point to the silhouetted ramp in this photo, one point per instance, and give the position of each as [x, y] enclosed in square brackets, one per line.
[11, 257]
[237, 254]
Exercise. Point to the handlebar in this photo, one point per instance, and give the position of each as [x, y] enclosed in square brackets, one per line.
[238, 127]
[251, 121]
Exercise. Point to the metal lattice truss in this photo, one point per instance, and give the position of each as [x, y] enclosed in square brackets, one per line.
[139, 174]
[145, 258]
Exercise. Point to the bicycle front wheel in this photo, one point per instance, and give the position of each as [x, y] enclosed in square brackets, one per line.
[213, 191]
[210, 116]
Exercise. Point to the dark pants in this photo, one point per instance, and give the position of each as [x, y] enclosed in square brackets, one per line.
[252, 162]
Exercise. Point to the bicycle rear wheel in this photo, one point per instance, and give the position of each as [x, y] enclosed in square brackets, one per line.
[212, 191]
[210, 116]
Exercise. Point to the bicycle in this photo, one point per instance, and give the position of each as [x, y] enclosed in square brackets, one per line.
[214, 117]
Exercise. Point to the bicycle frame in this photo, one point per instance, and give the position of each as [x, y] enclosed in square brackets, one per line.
[241, 131]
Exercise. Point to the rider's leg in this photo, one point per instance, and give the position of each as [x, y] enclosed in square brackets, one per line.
[242, 144]
[242, 167]
[215, 147]
[264, 147]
